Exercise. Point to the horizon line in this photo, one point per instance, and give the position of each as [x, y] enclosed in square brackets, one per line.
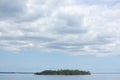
[34, 72]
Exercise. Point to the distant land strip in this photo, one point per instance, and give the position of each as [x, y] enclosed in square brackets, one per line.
[107, 73]
[16, 72]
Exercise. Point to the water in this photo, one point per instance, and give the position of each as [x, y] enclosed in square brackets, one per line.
[55, 77]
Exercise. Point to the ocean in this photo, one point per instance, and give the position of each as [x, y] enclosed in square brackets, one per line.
[59, 77]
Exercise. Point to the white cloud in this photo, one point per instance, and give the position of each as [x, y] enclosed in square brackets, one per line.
[65, 26]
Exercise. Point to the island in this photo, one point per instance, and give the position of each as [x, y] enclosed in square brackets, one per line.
[63, 72]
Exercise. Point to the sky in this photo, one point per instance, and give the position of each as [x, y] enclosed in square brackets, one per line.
[36, 35]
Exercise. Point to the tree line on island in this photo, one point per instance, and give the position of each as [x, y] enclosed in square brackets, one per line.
[63, 72]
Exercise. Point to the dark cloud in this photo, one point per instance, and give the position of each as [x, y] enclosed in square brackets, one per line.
[69, 24]
[11, 8]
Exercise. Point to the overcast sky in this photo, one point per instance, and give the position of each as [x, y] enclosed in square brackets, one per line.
[69, 27]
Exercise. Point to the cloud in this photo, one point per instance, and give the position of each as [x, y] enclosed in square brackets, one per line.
[99, 2]
[11, 8]
[65, 26]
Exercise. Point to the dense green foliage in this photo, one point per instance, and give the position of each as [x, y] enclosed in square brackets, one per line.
[63, 72]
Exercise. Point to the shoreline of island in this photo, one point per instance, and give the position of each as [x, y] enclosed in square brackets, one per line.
[63, 72]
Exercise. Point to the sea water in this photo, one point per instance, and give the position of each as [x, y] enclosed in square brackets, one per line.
[59, 77]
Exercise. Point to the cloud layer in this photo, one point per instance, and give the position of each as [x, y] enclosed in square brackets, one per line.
[71, 26]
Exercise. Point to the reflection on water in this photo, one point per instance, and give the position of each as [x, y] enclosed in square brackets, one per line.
[55, 77]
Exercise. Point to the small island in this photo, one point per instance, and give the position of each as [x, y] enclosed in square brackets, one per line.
[63, 72]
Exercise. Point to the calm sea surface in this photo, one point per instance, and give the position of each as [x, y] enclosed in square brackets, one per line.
[41, 77]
